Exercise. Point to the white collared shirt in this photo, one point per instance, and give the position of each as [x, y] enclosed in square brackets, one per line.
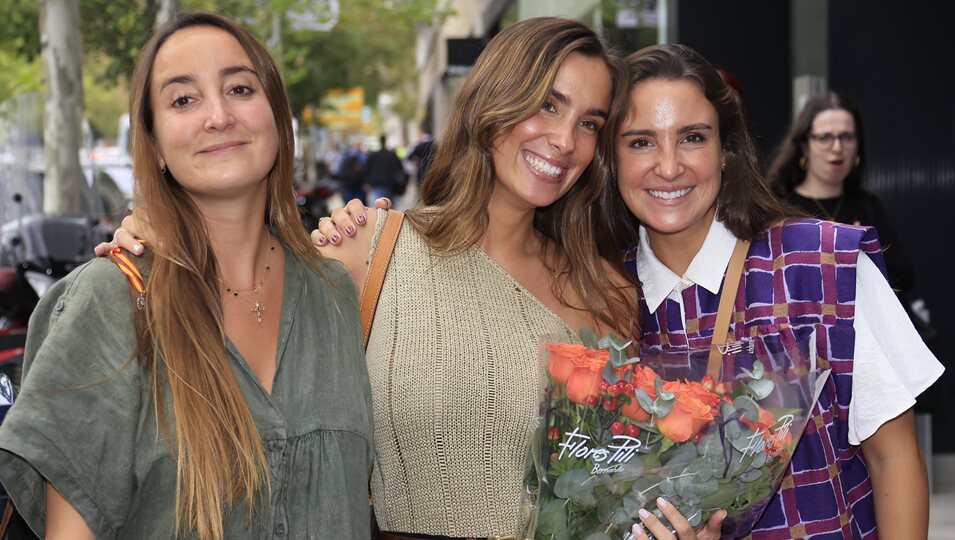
[891, 363]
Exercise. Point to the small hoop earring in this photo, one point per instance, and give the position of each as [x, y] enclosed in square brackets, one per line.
[857, 161]
[802, 163]
[163, 171]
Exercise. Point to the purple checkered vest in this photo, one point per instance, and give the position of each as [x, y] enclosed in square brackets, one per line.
[797, 277]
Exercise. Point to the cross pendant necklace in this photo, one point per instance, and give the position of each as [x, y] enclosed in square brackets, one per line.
[256, 288]
[258, 311]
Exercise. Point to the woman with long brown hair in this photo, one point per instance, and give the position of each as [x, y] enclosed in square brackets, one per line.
[228, 399]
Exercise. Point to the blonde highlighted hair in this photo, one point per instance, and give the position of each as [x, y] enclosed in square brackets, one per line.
[218, 451]
[510, 81]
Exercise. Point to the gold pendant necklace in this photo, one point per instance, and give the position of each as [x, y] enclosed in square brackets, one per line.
[257, 308]
[835, 212]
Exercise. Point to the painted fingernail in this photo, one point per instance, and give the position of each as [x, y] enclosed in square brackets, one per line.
[637, 530]
[360, 219]
[321, 240]
[643, 514]
[662, 503]
[336, 238]
[137, 248]
[349, 230]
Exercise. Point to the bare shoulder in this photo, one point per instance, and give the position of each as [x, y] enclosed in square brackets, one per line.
[353, 251]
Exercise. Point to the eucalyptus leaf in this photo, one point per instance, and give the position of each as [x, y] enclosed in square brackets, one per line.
[667, 488]
[634, 501]
[694, 516]
[645, 401]
[682, 455]
[589, 338]
[598, 535]
[759, 459]
[748, 407]
[661, 393]
[609, 374]
[662, 407]
[709, 487]
[702, 470]
[576, 484]
[751, 475]
[727, 409]
[620, 516]
[732, 430]
[665, 445]
[761, 388]
[552, 519]
[605, 342]
[709, 445]
[629, 471]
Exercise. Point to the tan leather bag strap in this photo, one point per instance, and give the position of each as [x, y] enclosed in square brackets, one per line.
[7, 515]
[734, 271]
[377, 270]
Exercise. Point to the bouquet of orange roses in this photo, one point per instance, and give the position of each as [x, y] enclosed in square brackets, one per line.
[617, 431]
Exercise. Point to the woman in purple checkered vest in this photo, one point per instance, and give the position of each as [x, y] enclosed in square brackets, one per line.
[686, 169]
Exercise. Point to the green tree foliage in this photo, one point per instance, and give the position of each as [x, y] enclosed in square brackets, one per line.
[19, 75]
[371, 46]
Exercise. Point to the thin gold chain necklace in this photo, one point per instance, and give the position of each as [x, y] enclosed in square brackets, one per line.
[259, 285]
[835, 211]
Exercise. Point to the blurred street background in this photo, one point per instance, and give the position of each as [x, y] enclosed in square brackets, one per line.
[360, 70]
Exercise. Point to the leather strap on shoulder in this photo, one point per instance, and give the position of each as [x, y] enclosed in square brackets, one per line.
[734, 271]
[377, 270]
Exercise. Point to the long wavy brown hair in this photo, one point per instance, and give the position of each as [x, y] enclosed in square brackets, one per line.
[181, 346]
[745, 203]
[509, 83]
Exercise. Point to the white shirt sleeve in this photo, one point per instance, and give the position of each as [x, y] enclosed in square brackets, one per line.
[891, 363]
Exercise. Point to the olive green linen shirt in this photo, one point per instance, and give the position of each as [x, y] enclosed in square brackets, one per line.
[85, 419]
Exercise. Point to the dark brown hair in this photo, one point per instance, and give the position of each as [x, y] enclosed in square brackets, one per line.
[744, 204]
[785, 172]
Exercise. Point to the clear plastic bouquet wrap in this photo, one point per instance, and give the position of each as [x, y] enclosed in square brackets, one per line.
[617, 431]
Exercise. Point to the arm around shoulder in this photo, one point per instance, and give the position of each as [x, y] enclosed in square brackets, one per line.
[353, 252]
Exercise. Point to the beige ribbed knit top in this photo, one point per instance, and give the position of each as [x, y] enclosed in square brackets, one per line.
[453, 364]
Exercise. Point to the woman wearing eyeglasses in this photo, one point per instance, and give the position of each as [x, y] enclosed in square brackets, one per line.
[820, 168]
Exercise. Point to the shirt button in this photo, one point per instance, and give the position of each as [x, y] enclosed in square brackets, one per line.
[280, 529]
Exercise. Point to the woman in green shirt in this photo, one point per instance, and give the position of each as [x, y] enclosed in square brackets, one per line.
[234, 403]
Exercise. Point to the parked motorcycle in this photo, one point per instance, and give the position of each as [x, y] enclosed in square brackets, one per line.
[35, 252]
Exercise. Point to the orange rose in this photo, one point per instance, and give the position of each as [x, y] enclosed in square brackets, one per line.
[634, 411]
[585, 379]
[700, 392]
[766, 417]
[775, 442]
[687, 417]
[561, 362]
[641, 378]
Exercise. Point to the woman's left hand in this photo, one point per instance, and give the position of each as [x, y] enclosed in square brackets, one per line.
[684, 531]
